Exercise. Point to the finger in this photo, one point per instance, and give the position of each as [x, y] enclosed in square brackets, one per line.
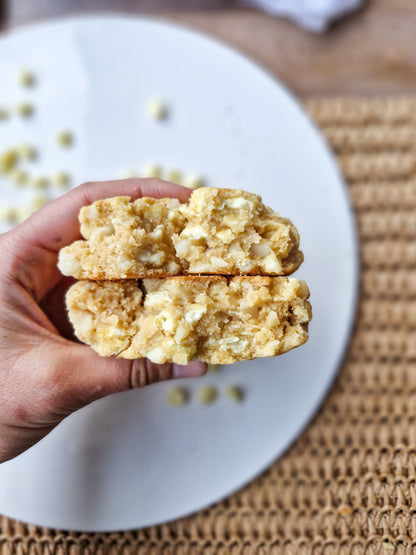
[56, 224]
[84, 376]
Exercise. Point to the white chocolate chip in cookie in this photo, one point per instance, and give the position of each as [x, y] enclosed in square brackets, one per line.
[195, 313]
[157, 355]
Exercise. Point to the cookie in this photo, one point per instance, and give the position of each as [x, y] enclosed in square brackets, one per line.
[125, 240]
[220, 231]
[215, 319]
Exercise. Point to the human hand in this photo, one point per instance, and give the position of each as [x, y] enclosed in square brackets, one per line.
[44, 374]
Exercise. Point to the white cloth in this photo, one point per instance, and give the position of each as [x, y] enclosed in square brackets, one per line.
[314, 15]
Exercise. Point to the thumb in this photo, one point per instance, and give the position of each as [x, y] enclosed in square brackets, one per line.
[85, 376]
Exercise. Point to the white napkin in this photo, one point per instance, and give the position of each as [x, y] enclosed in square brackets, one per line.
[314, 15]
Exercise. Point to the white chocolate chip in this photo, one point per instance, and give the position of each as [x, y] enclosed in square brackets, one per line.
[207, 394]
[177, 396]
[68, 263]
[271, 264]
[234, 393]
[8, 160]
[84, 321]
[98, 234]
[182, 332]
[151, 258]
[194, 232]
[25, 109]
[245, 265]
[27, 152]
[174, 176]
[182, 247]
[156, 109]
[125, 265]
[166, 321]
[128, 174]
[151, 170]
[65, 138]
[157, 355]
[239, 202]
[27, 78]
[218, 262]
[225, 235]
[4, 113]
[156, 298]
[235, 344]
[40, 182]
[195, 313]
[231, 220]
[62, 180]
[38, 201]
[19, 177]
[8, 214]
[157, 233]
[272, 319]
[261, 250]
[194, 181]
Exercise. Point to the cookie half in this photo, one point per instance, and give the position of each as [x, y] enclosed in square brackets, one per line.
[220, 231]
[178, 319]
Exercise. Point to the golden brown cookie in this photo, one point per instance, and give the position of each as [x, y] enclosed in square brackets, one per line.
[220, 231]
[124, 240]
[178, 319]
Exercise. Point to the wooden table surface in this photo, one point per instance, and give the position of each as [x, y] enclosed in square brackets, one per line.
[371, 52]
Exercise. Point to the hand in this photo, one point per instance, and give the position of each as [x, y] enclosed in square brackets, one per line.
[44, 374]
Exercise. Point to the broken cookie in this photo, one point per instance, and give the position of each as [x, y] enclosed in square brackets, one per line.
[178, 319]
[220, 231]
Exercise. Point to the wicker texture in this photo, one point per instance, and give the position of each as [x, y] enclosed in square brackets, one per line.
[348, 485]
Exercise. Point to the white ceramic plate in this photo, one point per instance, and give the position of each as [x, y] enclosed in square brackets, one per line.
[131, 460]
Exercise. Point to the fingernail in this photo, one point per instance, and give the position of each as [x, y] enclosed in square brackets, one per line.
[192, 370]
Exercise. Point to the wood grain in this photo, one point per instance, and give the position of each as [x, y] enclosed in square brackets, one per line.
[372, 52]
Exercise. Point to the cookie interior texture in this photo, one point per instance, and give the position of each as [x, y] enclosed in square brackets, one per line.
[178, 319]
[220, 231]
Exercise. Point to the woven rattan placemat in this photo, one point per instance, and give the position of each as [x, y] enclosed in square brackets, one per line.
[348, 485]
